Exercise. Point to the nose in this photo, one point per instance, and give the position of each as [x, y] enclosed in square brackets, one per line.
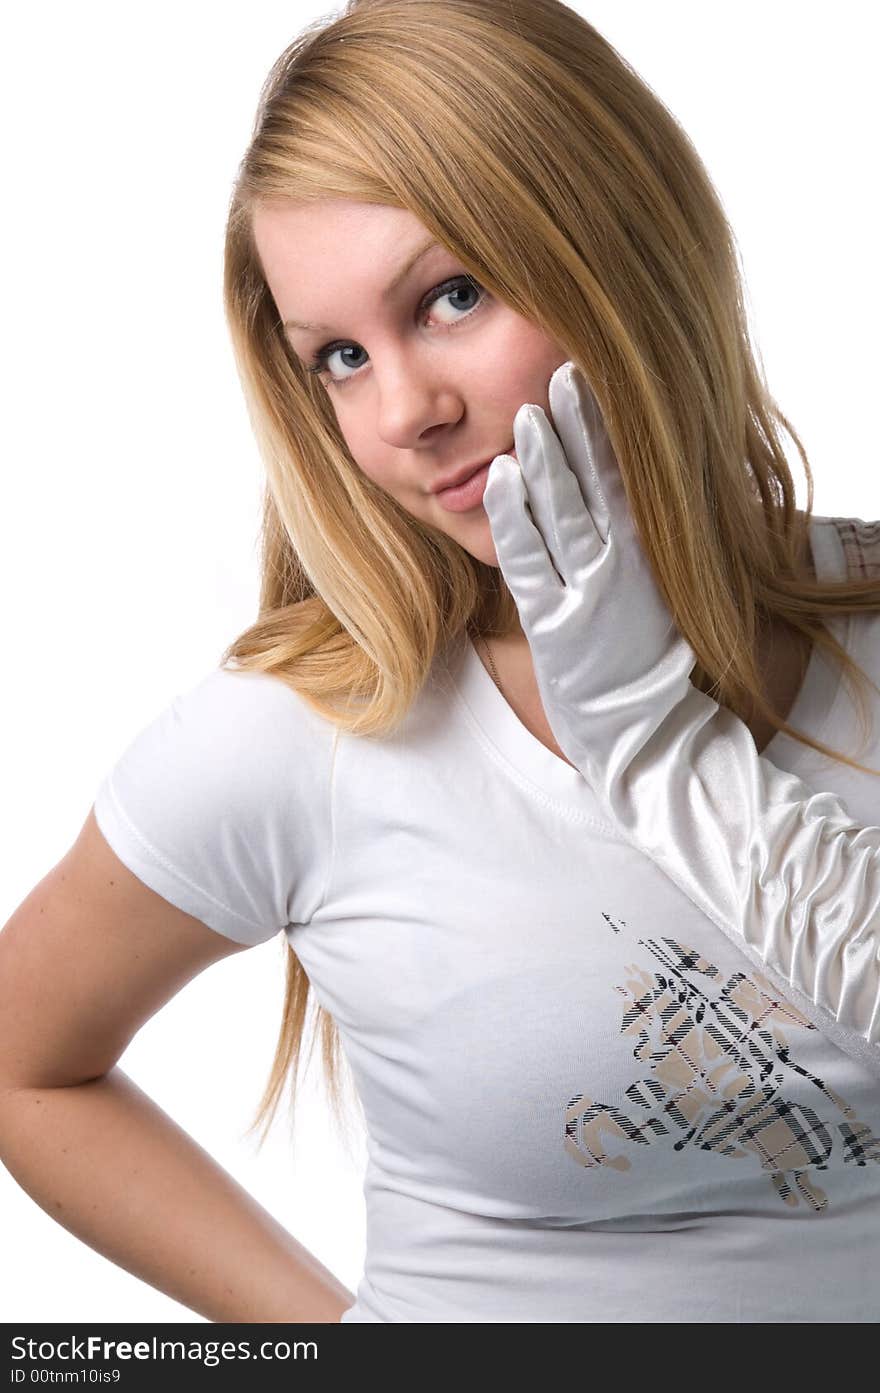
[416, 400]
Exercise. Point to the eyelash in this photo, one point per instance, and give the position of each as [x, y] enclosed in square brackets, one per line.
[319, 361]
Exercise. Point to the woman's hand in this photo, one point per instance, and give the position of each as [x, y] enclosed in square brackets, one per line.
[609, 662]
[782, 870]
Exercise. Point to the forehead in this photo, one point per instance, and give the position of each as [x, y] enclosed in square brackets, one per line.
[319, 235]
[324, 260]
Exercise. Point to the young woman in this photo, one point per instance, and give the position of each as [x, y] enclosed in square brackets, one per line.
[509, 760]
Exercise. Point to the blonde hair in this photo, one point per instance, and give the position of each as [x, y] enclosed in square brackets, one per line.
[528, 146]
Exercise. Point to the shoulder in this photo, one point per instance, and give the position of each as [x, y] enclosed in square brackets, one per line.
[235, 738]
[253, 693]
[222, 803]
[233, 713]
[859, 542]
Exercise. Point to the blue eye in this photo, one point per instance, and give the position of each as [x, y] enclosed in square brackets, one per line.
[448, 288]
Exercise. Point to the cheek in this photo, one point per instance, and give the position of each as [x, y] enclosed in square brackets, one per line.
[378, 471]
[519, 364]
[365, 458]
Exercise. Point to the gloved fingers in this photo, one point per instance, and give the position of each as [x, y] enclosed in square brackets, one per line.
[581, 429]
[519, 546]
[558, 505]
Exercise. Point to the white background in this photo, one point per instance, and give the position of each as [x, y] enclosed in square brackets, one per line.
[129, 521]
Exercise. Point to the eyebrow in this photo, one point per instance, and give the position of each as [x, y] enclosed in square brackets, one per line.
[392, 285]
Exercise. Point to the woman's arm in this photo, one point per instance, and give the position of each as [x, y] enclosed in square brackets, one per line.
[88, 956]
[787, 874]
[106, 1162]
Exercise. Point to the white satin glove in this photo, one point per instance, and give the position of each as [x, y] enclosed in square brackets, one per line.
[786, 874]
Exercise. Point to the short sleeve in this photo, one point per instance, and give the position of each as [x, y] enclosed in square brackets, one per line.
[222, 805]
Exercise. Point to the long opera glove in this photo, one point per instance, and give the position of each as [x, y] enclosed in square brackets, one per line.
[785, 873]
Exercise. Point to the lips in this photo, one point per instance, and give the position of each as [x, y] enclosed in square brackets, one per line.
[462, 477]
[468, 473]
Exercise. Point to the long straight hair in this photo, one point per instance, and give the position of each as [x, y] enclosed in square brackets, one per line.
[532, 150]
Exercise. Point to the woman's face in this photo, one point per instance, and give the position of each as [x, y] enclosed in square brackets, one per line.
[424, 382]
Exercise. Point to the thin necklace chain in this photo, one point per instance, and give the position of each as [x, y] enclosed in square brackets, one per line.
[492, 668]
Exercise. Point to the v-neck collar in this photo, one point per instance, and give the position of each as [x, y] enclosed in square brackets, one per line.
[511, 742]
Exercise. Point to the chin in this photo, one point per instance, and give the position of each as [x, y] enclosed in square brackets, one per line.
[478, 540]
[490, 559]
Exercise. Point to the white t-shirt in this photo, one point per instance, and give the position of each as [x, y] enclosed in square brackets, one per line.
[582, 1102]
